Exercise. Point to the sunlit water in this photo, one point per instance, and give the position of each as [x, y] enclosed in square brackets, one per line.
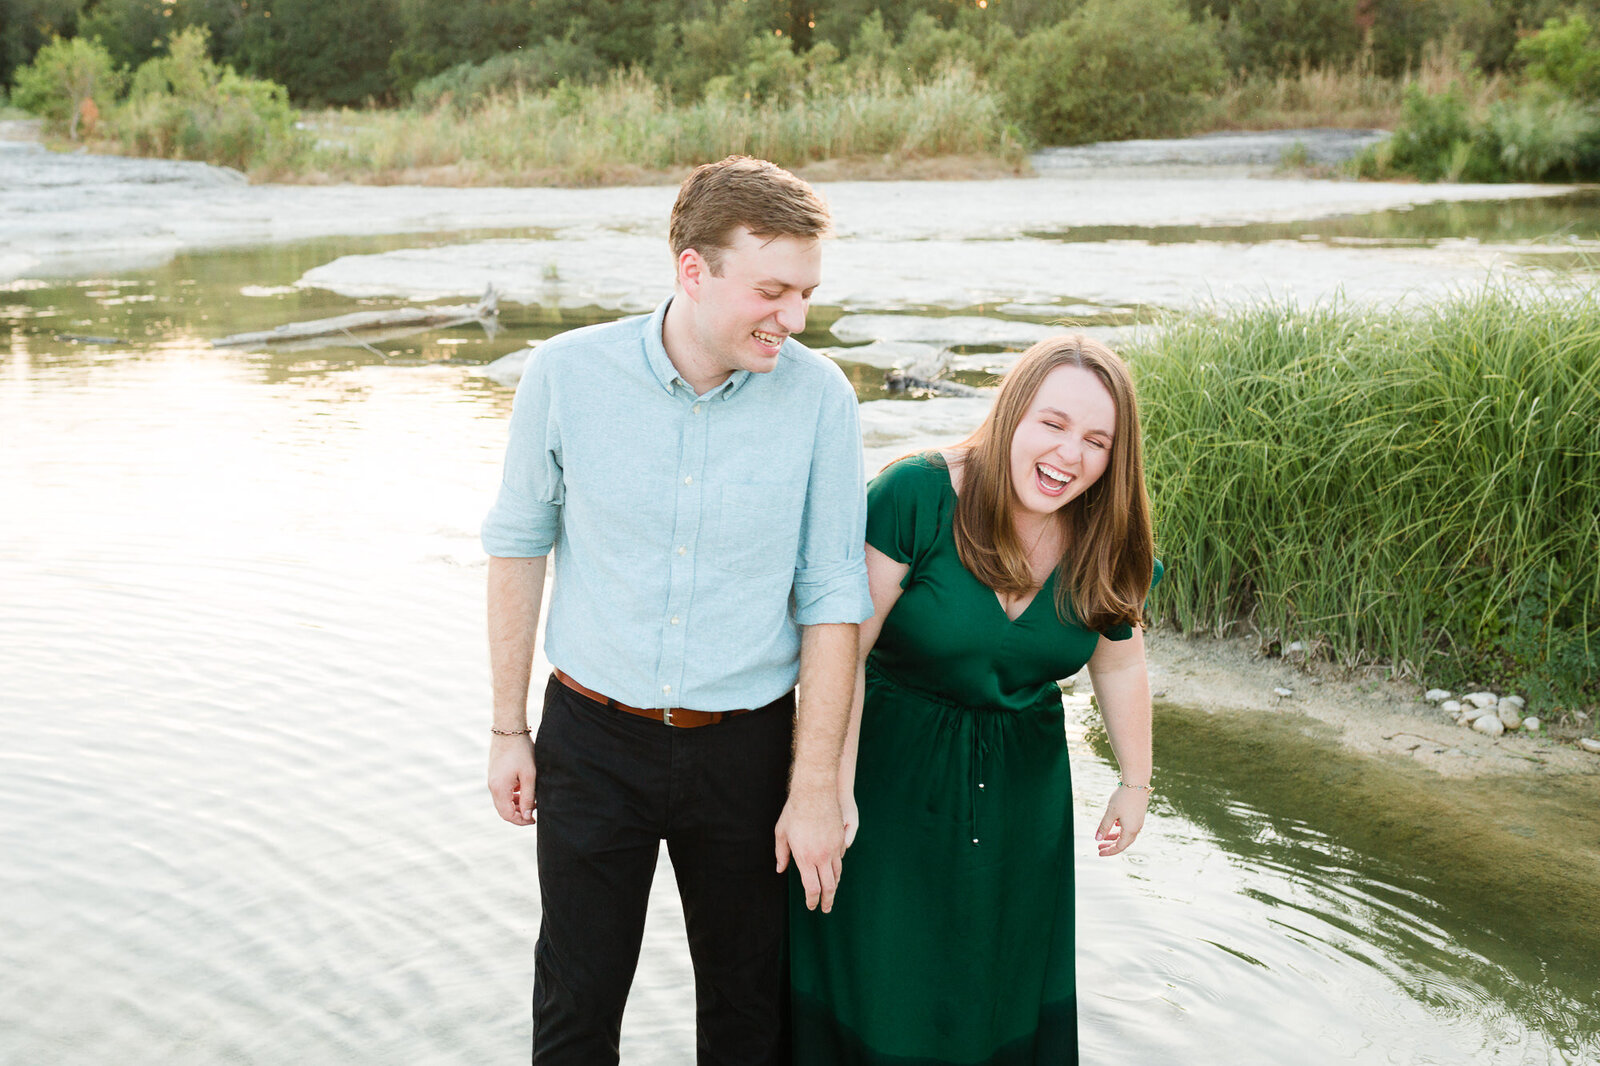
[243, 703]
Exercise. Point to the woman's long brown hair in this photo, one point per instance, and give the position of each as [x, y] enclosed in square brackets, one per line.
[1108, 549]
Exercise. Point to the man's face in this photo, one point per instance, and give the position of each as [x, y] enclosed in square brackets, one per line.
[760, 297]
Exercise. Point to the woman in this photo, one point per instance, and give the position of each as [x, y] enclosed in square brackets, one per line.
[996, 567]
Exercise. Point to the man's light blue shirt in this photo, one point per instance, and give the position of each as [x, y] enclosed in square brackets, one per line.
[693, 535]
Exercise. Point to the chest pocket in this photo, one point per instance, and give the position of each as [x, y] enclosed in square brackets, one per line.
[758, 529]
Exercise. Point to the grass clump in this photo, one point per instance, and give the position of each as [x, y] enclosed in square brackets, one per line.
[627, 124]
[1421, 489]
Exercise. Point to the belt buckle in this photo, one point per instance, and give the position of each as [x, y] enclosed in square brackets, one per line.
[666, 715]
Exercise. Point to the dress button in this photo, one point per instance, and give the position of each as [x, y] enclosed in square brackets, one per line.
[980, 784]
[974, 840]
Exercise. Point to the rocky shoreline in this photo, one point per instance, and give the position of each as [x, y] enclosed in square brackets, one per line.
[1365, 711]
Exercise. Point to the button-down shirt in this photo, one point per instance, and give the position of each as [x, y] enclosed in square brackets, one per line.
[692, 535]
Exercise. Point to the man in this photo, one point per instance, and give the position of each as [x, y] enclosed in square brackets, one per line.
[697, 473]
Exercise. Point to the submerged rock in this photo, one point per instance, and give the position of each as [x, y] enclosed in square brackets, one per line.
[506, 370]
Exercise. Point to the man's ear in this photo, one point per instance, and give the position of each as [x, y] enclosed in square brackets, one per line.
[692, 271]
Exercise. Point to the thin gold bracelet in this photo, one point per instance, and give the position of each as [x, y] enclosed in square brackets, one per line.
[1146, 789]
[510, 732]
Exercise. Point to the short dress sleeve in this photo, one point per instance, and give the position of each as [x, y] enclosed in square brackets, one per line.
[904, 509]
[1125, 631]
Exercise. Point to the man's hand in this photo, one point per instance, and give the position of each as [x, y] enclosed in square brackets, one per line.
[811, 829]
[511, 777]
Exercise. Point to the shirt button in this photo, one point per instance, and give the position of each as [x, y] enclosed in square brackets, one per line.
[688, 481]
[696, 408]
[682, 549]
[675, 622]
[668, 688]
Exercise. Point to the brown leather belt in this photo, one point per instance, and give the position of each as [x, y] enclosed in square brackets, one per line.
[677, 717]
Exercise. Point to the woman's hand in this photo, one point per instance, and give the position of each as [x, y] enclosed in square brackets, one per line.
[852, 816]
[1123, 819]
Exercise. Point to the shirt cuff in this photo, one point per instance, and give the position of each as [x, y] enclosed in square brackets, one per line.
[513, 533]
[835, 597]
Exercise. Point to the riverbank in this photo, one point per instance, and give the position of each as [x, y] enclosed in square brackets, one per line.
[1365, 712]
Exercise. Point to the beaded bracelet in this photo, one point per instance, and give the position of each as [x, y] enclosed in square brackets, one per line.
[1146, 789]
[510, 732]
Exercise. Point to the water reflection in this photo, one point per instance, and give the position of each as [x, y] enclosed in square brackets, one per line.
[1473, 898]
[1574, 216]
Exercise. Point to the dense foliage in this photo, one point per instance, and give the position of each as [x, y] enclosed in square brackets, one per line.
[348, 52]
[1421, 488]
[180, 105]
[1519, 104]
[1547, 128]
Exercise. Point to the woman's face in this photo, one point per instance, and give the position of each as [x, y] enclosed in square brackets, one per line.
[1063, 443]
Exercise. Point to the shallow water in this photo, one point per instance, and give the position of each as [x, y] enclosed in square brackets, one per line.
[241, 746]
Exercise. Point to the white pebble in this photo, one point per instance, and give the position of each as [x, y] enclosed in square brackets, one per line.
[1472, 714]
[1451, 706]
[1481, 699]
[1510, 715]
[1434, 695]
[1489, 725]
[1590, 744]
[1516, 701]
[1530, 724]
[1284, 691]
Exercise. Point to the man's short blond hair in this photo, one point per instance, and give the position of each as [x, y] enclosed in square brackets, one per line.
[762, 197]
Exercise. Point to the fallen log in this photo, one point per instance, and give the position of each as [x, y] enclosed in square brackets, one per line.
[410, 318]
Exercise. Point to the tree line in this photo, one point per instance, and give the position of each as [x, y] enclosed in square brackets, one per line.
[354, 52]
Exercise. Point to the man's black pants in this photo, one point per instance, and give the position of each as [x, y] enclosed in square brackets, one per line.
[610, 787]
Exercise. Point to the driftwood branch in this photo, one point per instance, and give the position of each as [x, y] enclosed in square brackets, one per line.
[413, 318]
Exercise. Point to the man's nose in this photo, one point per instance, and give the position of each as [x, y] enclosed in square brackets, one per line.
[792, 313]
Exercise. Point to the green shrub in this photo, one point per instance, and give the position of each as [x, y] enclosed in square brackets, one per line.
[63, 78]
[1564, 55]
[1280, 36]
[1541, 137]
[184, 106]
[1417, 488]
[689, 54]
[1536, 135]
[1436, 140]
[1115, 69]
[544, 66]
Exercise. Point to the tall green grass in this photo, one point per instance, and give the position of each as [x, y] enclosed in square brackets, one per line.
[1417, 488]
[593, 134]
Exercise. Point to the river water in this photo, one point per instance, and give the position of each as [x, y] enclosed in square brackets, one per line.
[243, 691]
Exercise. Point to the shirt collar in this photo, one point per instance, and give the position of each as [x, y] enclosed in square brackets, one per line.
[655, 352]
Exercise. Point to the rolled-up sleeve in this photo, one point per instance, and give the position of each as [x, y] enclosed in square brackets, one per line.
[830, 580]
[527, 513]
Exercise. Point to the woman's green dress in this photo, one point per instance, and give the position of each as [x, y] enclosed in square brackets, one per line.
[951, 939]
